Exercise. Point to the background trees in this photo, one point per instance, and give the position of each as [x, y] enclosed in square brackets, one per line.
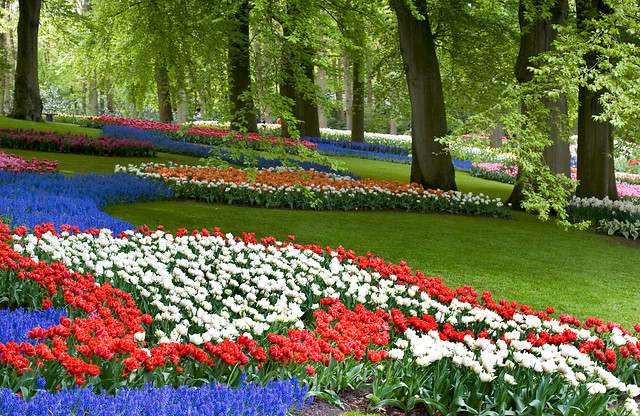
[341, 61]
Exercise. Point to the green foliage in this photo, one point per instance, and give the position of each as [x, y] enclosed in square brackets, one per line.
[625, 228]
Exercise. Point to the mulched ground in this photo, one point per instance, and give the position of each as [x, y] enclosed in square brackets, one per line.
[356, 400]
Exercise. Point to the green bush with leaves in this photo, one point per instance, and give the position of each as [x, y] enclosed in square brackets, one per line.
[627, 229]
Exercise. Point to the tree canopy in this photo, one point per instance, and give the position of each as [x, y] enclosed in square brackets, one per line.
[302, 61]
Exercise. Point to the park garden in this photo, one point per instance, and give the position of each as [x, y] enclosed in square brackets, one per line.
[266, 255]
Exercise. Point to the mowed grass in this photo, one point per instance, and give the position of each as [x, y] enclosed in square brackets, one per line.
[581, 273]
[9, 123]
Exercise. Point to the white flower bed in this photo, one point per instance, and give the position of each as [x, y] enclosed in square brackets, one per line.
[208, 288]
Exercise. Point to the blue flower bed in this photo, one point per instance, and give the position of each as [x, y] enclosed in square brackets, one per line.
[277, 398]
[14, 325]
[332, 150]
[32, 199]
[162, 143]
[368, 147]
[463, 164]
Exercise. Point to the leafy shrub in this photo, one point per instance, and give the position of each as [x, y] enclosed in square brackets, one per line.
[626, 228]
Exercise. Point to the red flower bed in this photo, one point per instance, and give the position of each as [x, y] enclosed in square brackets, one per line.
[73, 143]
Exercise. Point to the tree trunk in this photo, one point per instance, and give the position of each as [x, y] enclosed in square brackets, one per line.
[164, 98]
[310, 121]
[287, 90]
[496, 135]
[339, 97]
[93, 97]
[262, 75]
[133, 113]
[535, 38]
[596, 170]
[181, 113]
[27, 104]
[348, 93]
[298, 77]
[431, 165]
[110, 103]
[322, 84]
[243, 113]
[9, 53]
[393, 127]
[84, 97]
[340, 110]
[357, 110]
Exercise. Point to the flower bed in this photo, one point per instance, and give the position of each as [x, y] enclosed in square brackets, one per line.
[162, 143]
[366, 147]
[495, 172]
[196, 134]
[279, 398]
[333, 150]
[72, 143]
[628, 185]
[31, 199]
[13, 163]
[327, 316]
[16, 324]
[308, 189]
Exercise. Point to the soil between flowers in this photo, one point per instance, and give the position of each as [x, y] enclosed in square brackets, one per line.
[356, 400]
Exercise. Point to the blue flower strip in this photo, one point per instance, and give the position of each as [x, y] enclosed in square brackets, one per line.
[277, 398]
[14, 325]
[32, 199]
[368, 147]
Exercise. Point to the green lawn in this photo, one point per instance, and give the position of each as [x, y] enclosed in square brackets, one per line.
[578, 272]
[9, 123]
[70, 164]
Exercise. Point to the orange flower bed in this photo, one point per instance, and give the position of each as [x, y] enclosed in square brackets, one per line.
[286, 178]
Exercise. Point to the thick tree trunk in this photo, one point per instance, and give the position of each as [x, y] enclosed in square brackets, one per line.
[298, 78]
[164, 98]
[9, 54]
[311, 122]
[596, 170]
[243, 112]
[287, 90]
[357, 110]
[537, 37]
[431, 165]
[27, 104]
[393, 127]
